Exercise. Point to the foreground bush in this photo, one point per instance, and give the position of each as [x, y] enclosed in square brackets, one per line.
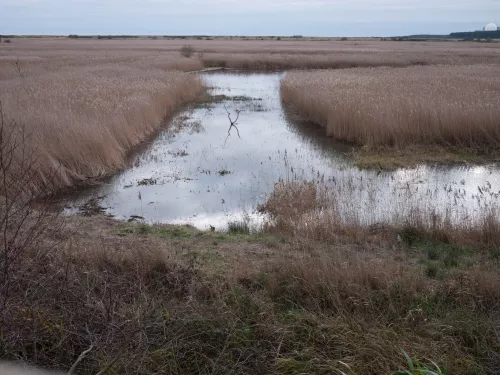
[435, 105]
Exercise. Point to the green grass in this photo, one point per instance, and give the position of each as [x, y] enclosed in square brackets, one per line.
[164, 231]
[238, 227]
[416, 367]
[237, 232]
[440, 258]
[389, 159]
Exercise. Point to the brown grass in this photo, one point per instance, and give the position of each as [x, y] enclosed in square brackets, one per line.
[280, 61]
[318, 212]
[443, 105]
[83, 120]
[248, 54]
[166, 299]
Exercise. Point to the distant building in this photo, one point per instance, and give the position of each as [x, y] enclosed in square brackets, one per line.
[491, 27]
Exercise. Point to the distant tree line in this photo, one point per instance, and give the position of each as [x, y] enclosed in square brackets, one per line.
[75, 36]
[477, 35]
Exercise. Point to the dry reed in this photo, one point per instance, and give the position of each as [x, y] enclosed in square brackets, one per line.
[436, 105]
[265, 54]
[344, 211]
[253, 304]
[280, 61]
[82, 121]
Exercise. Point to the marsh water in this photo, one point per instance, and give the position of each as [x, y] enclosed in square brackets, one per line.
[203, 172]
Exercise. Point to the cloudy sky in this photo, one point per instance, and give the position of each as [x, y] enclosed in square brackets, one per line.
[246, 17]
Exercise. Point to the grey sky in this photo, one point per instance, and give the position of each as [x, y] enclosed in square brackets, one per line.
[246, 17]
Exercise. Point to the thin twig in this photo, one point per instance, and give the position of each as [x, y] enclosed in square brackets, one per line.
[108, 366]
[80, 358]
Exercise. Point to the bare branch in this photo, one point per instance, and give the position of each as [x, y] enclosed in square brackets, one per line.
[108, 366]
[232, 123]
[80, 358]
[24, 214]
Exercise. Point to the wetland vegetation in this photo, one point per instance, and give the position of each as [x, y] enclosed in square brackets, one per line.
[451, 112]
[267, 251]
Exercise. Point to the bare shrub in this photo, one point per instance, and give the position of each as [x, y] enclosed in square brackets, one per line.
[187, 51]
[446, 106]
[24, 214]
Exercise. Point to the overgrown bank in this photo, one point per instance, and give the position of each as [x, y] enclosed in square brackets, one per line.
[171, 299]
[437, 113]
[81, 123]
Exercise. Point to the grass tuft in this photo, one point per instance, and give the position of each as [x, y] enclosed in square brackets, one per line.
[238, 227]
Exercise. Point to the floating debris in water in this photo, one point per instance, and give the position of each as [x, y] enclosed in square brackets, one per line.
[178, 153]
[178, 178]
[92, 207]
[147, 182]
[134, 218]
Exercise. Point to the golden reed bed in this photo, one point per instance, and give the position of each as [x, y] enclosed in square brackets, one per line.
[82, 121]
[432, 105]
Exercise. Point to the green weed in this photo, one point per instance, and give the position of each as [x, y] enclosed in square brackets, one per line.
[238, 227]
[176, 232]
[143, 228]
[432, 270]
[416, 367]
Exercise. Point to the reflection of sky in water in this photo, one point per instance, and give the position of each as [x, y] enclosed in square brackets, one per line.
[273, 147]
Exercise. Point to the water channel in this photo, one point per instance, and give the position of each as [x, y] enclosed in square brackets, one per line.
[197, 173]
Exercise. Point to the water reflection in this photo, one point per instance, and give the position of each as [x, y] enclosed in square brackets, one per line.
[191, 174]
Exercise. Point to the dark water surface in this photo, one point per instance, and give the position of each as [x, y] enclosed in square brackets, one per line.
[193, 172]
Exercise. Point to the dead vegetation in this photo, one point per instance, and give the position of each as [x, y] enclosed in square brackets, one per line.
[324, 212]
[167, 299]
[82, 122]
[445, 106]
[54, 55]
